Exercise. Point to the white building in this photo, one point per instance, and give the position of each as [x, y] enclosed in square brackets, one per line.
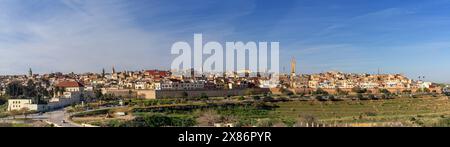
[73, 92]
[446, 89]
[20, 104]
[141, 85]
[425, 84]
[268, 83]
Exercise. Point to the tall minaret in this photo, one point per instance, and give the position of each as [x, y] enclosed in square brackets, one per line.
[293, 73]
[113, 70]
[192, 73]
[293, 66]
[30, 72]
[103, 73]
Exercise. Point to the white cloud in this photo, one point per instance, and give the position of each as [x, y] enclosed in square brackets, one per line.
[87, 35]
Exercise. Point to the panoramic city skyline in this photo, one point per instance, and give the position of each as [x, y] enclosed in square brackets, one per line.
[351, 36]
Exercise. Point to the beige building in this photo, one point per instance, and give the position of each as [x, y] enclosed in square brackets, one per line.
[20, 104]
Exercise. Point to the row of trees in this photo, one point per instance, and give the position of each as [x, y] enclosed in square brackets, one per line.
[359, 90]
[31, 90]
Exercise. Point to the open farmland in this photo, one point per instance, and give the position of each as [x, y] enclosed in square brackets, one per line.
[407, 111]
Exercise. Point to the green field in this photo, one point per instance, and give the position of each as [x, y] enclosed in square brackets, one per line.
[408, 111]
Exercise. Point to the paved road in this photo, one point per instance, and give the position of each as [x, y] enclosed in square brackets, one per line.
[57, 117]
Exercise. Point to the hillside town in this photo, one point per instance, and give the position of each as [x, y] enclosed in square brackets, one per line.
[47, 92]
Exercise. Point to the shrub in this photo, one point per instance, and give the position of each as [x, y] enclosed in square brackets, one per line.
[256, 98]
[204, 96]
[92, 113]
[321, 98]
[371, 114]
[359, 90]
[384, 91]
[289, 122]
[373, 97]
[443, 123]
[341, 92]
[360, 96]
[320, 91]
[268, 99]
[3, 100]
[407, 91]
[159, 120]
[265, 123]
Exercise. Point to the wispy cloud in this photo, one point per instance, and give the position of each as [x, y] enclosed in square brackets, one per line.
[353, 36]
[371, 17]
[87, 35]
[91, 36]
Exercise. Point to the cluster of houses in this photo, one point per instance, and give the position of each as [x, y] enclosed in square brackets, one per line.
[72, 92]
[72, 88]
[345, 81]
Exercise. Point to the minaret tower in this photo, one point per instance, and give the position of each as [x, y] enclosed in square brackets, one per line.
[293, 73]
[293, 67]
[30, 73]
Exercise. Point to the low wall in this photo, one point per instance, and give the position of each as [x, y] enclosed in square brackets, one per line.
[120, 92]
[161, 94]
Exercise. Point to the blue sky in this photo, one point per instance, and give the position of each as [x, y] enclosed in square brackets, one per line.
[410, 37]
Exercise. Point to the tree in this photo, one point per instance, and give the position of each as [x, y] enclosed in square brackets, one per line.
[30, 90]
[307, 119]
[208, 118]
[103, 73]
[249, 92]
[14, 89]
[447, 93]
[3, 100]
[268, 99]
[371, 96]
[204, 96]
[98, 93]
[14, 113]
[24, 111]
[339, 91]
[56, 91]
[61, 90]
[320, 91]
[130, 93]
[407, 91]
[360, 96]
[157, 120]
[287, 92]
[359, 90]
[385, 91]
[256, 97]
[321, 98]
[184, 94]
